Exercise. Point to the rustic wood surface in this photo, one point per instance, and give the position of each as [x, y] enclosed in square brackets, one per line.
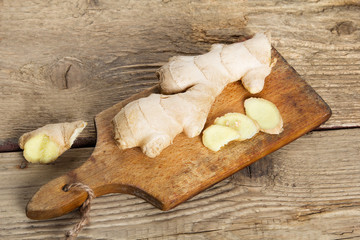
[68, 60]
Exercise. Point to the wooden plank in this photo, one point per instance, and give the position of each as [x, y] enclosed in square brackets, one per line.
[306, 190]
[66, 61]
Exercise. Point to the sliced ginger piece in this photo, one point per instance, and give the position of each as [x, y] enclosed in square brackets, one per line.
[46, 144]
[265, 114]
[40, 149]
[217, 136]
[245, 126]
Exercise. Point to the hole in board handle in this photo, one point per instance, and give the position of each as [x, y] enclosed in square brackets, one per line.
[65, 188]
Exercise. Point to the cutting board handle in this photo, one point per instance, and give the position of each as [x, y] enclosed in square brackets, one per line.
[98, 173]
[52, 200]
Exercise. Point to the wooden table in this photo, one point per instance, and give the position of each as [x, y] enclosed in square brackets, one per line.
[69, 60]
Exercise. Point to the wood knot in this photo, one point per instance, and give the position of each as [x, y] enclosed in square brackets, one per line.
[67, 72]
[344, 28]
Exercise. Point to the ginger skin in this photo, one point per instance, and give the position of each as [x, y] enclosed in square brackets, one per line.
[46, 144]
[193, 82]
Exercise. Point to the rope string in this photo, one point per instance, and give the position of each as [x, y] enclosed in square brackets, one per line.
[84, 210]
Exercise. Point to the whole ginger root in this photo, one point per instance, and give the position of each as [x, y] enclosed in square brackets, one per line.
[192, 83]
[46, 144]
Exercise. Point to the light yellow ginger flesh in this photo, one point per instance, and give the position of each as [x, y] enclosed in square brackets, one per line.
[265, 114]
[260, 115]
[46, 144]
[41, 149]
[246, 127]
[193, 82]
[217, 136]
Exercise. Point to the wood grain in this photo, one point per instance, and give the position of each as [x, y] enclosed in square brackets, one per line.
[105, 51]
[186, 167]
[308, 189]
[70, 60]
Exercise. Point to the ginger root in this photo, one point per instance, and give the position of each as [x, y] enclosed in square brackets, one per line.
[249, 61]
[193, 82]
[46, 144]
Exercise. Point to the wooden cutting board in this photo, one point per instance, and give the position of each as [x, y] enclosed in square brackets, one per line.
[186, 167]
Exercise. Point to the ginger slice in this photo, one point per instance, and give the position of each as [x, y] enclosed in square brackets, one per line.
[265, 114]
[217, 136]
[46, 144]
[245, 126]
[261, 115]
[40, 149]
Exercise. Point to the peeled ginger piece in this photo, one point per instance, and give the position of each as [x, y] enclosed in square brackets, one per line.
[245, 126]
[265, 114]
[260, 115]
[217, 136]
[41, 149]
[46, 144]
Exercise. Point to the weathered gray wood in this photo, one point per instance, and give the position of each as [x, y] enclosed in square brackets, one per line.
[309, 189]
[69, 60]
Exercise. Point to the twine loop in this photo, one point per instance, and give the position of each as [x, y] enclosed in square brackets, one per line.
[84, 209]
